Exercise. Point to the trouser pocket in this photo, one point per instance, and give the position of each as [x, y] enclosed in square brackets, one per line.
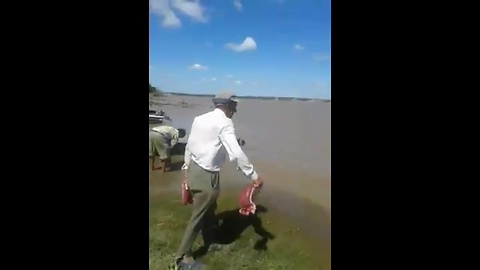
[215, 180]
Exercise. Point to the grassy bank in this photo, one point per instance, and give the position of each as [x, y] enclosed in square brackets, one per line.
[268, 241]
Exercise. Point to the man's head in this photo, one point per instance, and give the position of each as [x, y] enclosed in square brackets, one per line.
[227, 102]
[181, 133]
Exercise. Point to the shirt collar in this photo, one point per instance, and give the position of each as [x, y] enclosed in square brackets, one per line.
[219, 112]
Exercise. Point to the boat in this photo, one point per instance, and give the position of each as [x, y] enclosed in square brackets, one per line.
[158, 116]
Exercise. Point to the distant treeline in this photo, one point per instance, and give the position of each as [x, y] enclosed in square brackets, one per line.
[154, 90]
[250, 97]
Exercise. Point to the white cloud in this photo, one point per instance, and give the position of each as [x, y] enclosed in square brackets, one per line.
[197, 67]
[321, 57]
[238, 82]
[237, 4]
[298, 47]
[247, 45]
[191, 8]
[162, 8]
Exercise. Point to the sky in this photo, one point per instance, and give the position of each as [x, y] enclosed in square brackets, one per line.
[251, 47]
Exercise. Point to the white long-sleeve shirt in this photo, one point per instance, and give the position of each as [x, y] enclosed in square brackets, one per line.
[212, 140]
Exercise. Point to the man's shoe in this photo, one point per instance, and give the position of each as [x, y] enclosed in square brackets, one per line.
[181, 265]
[216, 247]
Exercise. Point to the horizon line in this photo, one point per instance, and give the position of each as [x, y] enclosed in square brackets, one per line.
[246, 96]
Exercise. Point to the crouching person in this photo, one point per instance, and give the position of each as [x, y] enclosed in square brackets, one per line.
[161, 141]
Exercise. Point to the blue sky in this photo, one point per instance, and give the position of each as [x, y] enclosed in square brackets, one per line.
[253, 47]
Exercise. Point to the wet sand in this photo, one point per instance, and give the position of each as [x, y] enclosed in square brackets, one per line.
[289, 143]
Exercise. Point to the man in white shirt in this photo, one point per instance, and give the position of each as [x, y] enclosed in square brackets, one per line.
[212, 141]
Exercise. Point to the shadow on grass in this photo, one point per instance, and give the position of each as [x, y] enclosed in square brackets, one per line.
[230, 226]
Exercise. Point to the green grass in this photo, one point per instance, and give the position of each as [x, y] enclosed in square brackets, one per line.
[290, 249]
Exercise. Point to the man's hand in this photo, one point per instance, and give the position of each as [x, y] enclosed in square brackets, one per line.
[241, 142]
[258, 182]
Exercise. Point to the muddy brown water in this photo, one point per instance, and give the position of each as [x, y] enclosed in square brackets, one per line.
[289, 143]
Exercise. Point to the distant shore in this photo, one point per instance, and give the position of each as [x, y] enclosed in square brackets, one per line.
[247, 97]
[158, 100]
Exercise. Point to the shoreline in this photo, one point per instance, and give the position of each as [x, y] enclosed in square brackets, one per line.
[257, 98]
